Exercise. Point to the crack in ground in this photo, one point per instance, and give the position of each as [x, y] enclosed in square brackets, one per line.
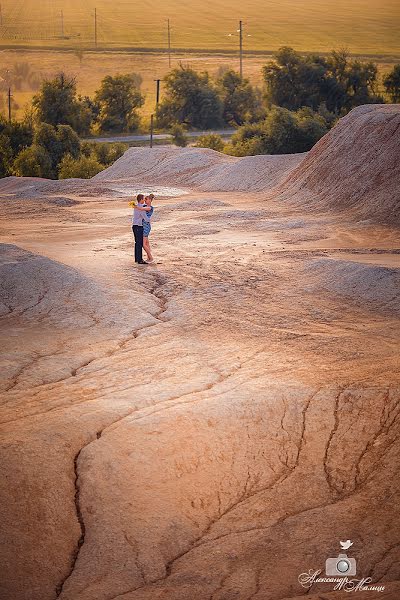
[135, 333]
[36, 358]
[328, 475]
[244, 496]
[159, 281]
[81, 522]
[99, 434]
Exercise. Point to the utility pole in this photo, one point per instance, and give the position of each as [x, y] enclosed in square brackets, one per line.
[169, 43]
[241, 48]
[95, 27]
[1, 16]
[151, 130]
[9, 104]
[62, 23]
[158, 81]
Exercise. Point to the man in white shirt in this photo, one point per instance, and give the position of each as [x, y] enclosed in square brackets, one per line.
[139, 215]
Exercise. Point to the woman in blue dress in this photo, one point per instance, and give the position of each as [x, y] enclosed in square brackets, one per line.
[147, 228]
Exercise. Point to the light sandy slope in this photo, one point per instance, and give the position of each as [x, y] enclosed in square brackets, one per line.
[212, 426]
[356, 165]
[201, 168]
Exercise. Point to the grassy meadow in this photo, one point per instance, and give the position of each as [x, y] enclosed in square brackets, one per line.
[38, 41]
[362, 26]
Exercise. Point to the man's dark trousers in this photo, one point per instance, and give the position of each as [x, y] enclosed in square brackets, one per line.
[138, 233]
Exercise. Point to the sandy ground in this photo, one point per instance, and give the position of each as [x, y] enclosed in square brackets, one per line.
[208, 427]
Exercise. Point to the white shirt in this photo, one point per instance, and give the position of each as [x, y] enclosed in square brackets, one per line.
[139, 216]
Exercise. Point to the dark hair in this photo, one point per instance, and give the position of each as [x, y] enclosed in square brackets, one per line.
[139, 197]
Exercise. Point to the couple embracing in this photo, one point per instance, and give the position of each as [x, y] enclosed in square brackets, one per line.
[141, 227]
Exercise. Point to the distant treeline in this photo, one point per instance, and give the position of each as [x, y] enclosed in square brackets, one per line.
[302, 97]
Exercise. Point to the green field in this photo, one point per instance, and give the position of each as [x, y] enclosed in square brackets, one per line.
[362, 26]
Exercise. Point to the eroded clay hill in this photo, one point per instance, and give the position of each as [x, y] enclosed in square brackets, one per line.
[355, 166]
[208, 428]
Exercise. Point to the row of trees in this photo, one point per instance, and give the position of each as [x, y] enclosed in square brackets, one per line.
[199, 101]
[43, 150]
[281, 132]
[291, 80]
[303, 97]
[113, 108]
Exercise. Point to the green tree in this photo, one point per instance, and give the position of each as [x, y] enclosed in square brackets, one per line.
[5, 155]
[361, 84]
[68, 140]
[178, 135]
[46, 136]
[108, 153]
[89, 111]
[57, 103]
[190, 99]
[33, 162]
[83, 167]
[105, 153]
[115, 151]
[19, 134]
[392, 84]
[210, 140]
[57, 141]
[282, 132]
[240, 101]
[118, 99]
[293, 81]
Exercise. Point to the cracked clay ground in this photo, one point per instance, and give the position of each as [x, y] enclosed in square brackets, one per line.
[207, 428]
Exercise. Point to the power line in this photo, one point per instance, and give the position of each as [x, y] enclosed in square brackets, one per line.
[241, 48]
[151, 130]
[9, 103]
[158, 81]
[95, 27]
[169, 42]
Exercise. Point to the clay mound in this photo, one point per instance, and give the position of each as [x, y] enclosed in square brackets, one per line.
[375, 286]
[252, 173]
[36, 188]
[186, 166]
[200, 168]
[36, 287]
[355, 166]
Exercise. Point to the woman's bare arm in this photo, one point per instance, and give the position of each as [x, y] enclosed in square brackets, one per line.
[142, 207]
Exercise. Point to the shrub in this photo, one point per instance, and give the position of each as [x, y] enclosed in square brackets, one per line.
[392, 84]
[178, 135]
[210, 140]
[5, 155]
[20, 134]
[33, 162]
[57, 141]
[83, 167]
[282, 132]
[107, 153]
